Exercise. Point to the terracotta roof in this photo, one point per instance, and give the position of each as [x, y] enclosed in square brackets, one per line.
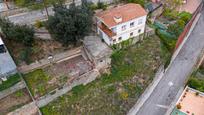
[126, 12]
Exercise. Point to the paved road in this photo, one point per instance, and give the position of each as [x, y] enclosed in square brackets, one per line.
[31, 16]
[175, 77]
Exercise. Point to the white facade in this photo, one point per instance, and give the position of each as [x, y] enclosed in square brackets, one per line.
[123, 31]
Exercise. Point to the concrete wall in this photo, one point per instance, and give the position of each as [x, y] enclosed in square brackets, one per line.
[105, 37]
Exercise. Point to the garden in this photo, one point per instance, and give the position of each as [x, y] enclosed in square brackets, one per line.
[12, 80]
[14, 101]
[196, 80]
[133, 69]
[43, 81]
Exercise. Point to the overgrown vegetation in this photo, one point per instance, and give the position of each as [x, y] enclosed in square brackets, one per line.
[132, 70]
[37, 4]
[69, 26]
[196, 80]
[22, 34]
[12, 80]
[170, 34]
[37, 81]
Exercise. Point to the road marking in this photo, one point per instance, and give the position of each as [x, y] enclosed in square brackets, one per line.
[170, 83]
[162, 106]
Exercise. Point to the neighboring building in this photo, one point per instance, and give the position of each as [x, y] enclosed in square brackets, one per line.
[7, 65]
[121, 23]
[191, 102]
[98, 53]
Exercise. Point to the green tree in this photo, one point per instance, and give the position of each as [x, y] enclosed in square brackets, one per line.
[69, 26]
[19, 33]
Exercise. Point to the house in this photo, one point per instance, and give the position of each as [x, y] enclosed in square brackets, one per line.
[7, 65]
[121, 23]
[191, 102]
[98, 53]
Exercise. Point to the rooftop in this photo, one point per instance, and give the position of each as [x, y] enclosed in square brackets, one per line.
[191, 103]
[6, 63]
[127, 12]
[96, 47]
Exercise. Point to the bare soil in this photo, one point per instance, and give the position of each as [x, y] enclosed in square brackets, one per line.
[14, 101]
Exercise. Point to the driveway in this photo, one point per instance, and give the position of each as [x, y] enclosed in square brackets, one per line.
[174, 79]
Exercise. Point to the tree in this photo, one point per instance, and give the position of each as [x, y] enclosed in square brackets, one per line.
[69, 26]
[19, 33]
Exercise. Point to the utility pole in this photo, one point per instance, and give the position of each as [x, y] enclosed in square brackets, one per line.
[45, 5]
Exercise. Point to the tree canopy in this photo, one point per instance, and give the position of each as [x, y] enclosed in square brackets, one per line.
[69, 25]
[19, 33]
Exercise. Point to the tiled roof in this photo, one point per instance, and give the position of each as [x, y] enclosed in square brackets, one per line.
[126, 12]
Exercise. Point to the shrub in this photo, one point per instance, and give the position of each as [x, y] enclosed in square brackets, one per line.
[101, 5]
[197, 93]
[38, 24]
[170, 14]
[178, 106]
[26, 54]
[185, 16]
[12, 80]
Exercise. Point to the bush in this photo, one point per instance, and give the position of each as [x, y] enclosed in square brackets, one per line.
[101, 5]
[170, 14]
[26, 54]
[178, 106]
[185, 16]
[20, 33]
[38, 24]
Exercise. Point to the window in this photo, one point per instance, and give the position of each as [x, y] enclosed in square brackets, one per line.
[132, 24]
[139, 30]
[123, 27]
[114, 40]
[120, 38]
[114, 29]
[131, 34]
[140, 21]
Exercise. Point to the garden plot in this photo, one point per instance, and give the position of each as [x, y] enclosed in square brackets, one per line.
[14, 101]
[43, 81]
[133, 69]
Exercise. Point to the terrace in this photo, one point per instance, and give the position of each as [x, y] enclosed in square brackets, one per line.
[191, 102]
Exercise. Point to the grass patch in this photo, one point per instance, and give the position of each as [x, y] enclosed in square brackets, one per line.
[132, 70]
[37, 82]
[12, 80]
[196, 80]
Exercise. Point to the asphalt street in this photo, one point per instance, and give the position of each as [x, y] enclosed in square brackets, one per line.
[174, 79]
[32, 16]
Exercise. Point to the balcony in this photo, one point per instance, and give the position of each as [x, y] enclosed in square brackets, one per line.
[106, 30]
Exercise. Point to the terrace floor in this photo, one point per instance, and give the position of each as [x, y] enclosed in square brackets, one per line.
[191, 103]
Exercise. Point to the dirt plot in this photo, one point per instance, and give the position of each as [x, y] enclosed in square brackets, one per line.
[41, 49]
[42, 81]
[14, 101]
[70, 68]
